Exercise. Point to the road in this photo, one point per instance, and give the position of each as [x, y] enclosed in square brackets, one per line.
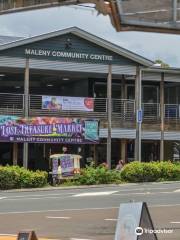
[87, 213]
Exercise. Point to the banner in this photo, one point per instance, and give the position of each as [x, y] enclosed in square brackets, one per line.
[68, 103]
[49, 130]
[67, 165]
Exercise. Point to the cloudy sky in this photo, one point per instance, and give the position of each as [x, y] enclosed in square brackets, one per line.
[149, 45]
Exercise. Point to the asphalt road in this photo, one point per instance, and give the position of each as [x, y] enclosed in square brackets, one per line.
[87, 213]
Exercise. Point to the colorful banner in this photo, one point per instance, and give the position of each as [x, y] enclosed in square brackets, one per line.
[67, 165]
[68, 103]
[49, 130]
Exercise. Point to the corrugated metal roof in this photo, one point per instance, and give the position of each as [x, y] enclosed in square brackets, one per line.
[8, 39]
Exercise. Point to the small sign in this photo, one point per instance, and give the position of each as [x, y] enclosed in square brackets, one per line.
[27, 235]
[139, 116]
[134, 223]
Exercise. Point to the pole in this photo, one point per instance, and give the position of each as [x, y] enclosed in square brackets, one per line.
[162, 117]
[26, 110]
[109, 112]
[138, 93]
[174, 11]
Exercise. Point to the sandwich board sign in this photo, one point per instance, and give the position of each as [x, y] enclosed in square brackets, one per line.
[27, 235]
[134, 222]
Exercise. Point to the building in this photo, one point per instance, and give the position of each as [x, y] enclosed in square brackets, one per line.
[90, 73]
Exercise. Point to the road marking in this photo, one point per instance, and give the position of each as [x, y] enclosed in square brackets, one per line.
[110, 219]
[35, 198]
[2, 198]
[40, 195]
[7, 234]
[51, 217]
[178, 190]
[90, 194]
[175, 222]
[80, 239]
[164, 205]
[60, 210]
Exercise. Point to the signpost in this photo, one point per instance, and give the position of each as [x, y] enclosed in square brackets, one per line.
[134, 223]
[139, 116]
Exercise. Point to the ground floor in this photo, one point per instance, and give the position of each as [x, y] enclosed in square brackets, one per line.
[39, 153]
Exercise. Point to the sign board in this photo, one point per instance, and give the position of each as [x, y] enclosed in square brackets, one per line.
[27, 235]
[49, 130]
[139, 116]
[68, 103]
[133, 220]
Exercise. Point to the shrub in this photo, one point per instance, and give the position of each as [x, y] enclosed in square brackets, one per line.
[149, 172]
[98, 175]
[19, 177]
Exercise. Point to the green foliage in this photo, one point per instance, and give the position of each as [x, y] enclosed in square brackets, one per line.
[150, 172]
[163, 64]
[18, 177]
[99, 175]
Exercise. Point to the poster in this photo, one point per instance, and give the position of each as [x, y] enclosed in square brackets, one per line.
[67, 165]
[68, 103]
[49, 130]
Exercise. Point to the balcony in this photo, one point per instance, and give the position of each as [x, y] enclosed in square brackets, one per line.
[123, 111]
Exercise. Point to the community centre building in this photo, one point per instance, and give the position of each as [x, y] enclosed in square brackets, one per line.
[71, 88]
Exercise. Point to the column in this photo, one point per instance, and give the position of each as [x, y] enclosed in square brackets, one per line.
[123, 149]
[162, 117]
[138, 87]
[15, 153]
[109, 112]
[26, 110]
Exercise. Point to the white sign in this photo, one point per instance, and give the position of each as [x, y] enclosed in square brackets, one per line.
[71, 55]
[68, 103]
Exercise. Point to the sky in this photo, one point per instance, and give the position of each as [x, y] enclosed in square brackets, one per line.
[150, 45]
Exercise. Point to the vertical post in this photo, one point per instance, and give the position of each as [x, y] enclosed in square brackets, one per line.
[95, 154]
[109, 112]
[162, 117]
[123, 149]
[15, 153]
[123, 95]
[138, 91]
[174, 11]
[26, 110]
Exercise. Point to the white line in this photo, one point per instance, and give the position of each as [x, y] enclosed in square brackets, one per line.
[60, 210]
[6, 234]
[176, 191]
[1, 198]
[35, 198]
[110, 219]
[80, 239]
[175, 222]
[40, 195]
[51, 217]
[164, 205]
[90, 194]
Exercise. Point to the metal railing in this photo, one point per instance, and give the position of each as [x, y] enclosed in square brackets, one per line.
[123, 109]
[151, 111]
[11, 104]
[172, 111]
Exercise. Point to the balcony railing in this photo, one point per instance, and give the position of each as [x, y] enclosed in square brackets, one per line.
[11, 104]
[122, 109]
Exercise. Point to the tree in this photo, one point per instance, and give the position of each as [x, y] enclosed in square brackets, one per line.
[163, 64]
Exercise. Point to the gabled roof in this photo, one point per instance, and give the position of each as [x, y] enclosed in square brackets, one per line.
[87, 36]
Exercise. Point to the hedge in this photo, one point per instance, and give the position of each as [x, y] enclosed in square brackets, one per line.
[18, 177]
[150, 172]
[97, 175]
